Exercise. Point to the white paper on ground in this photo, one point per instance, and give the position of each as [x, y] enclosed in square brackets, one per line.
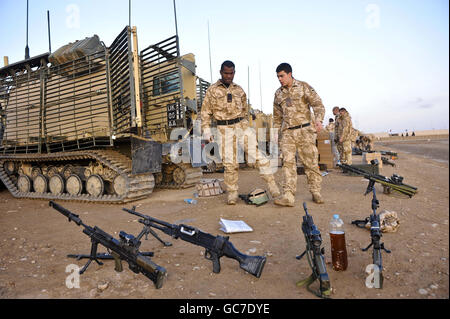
[234, 226]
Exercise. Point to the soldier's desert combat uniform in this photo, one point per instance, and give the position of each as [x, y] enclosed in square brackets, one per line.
[344, 130]
[228, 106]
[292, 114]
[330, 128]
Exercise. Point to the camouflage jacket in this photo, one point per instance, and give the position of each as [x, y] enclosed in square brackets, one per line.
[291, 106]
[216, 104]
[345, 128]
[330, 127]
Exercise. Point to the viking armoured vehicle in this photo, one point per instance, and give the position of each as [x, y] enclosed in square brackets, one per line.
[93, 123]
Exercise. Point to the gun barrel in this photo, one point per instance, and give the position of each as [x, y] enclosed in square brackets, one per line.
[304, 207]
[149, 218]
[66, 212]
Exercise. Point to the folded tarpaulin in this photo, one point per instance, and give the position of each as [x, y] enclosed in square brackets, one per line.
[76, 50]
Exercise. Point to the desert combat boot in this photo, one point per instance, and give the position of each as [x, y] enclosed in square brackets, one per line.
[317, 198]
[232, 198]
[287, 199]
[273, 189]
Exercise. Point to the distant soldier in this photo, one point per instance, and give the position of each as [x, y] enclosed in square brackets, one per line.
[292, 114]
[331, 129]
[354, 136]
[226, 102]
[336, 129]
[344, 137]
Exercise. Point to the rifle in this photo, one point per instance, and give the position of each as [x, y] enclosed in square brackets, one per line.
[127, 248]
[216, 246]
[395, 182]
[375, 234]
[315, 257]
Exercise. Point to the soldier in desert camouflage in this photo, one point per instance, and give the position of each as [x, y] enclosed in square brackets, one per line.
[330, 128]
[226, 102]
[299, 127]
[343, 136]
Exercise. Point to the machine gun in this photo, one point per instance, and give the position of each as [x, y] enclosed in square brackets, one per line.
[216, 246]
[395, 182]
[315, 257]
[375, 234]
[127, 248]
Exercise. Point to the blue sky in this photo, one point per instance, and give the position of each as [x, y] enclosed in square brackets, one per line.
[385, 61]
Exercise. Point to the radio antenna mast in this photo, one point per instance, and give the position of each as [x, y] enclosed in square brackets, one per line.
[248, 80]
[260, 89]
[176, 25]
[27, 49]
[209, 47]
[48, 26]
[129, 13]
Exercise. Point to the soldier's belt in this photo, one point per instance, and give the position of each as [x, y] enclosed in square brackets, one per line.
[299, 126]
[229, 122]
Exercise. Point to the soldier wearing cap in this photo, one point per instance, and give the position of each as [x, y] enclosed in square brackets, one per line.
[226, 103]
[299, 127]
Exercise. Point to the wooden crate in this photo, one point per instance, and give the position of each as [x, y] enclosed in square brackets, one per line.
[367, 157]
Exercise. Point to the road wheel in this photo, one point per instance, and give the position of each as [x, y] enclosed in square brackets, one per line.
[74, 185]
[10, 167]
[120, 185]
[40, 184]
[179, 175]
[56, 184]
[95, 185]
[24, 184]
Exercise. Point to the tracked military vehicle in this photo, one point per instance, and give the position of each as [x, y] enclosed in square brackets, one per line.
[93, 123]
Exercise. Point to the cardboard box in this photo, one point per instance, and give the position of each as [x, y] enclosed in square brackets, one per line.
[323, 144]
[367, 157]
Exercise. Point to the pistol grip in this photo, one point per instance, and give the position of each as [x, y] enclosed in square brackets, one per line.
[118, 262]
[215, 260]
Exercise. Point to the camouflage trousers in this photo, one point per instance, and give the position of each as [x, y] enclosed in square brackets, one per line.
[345, 152]
[233, 141]
[334, 148]
[302, 141]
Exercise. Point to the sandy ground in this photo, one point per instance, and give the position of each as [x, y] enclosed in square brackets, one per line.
[35, 239]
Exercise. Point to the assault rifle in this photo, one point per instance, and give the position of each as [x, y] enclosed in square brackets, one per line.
[395, 182]
[375, 234]
[216, 246]
[127, 248]
[315, 257]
